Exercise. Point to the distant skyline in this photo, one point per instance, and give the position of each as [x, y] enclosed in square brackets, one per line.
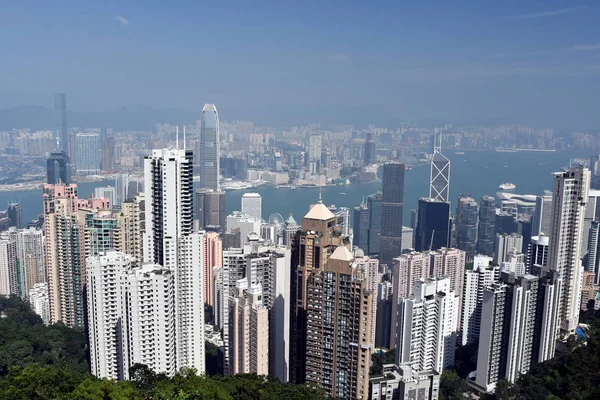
[536, 63]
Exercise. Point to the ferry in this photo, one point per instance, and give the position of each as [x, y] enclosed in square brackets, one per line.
[459, 153]
[507, 186]
[332, 208]
[343, 193]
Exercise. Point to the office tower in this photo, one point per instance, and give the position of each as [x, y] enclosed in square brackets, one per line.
[407, 238]
[252, 205]
[213, 250]
[542, 217]
[15, 215]
[168, 183]
[30, 255]
[210, 148]
[538, 252]
[433, 225]
[487, 226]
[369, 268]
[338, 312]
[506, 223]
[391, 212]
[374, 204]
[57, 168]
[244, 224]
[370, 157]
[60, 123]
[407, 270]
[122, 188]
[404, 383]
[107, 153]
[360, 223]
[210, 209]
[290, 229]
[467, 225]
[38, 300]
[189, 305]
[128, 236]
[439, 184]
[63, 257]
[413, 218]
[9, 279]
[524, 229]
[87, 153]
[106, 192]
[506, 243]
[384, 314]
[248, 330]
[593, 257]
[427, 324]
[570, 195]
[476, 280]
[319, 236]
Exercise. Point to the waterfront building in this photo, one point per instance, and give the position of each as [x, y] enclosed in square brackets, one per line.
[570, 194]
[57, 168]
[15, 215]
[209, 148]
[433, 225]
[439, 184]
[487, 226]
[87, 153]
[467, 225]
[370, 156]
[391, 212]
[427, 323]
[210, 209]
[252, 205]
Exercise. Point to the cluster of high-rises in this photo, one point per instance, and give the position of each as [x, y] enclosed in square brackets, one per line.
[145, 272]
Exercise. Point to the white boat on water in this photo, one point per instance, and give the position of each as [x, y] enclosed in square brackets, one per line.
[507, 186]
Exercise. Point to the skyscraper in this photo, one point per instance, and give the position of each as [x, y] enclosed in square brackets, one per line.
[210, 147]
[252, 205]
[433, 225]
[487, 226]
[439, 187]
[360, 224]
[57, 168]
[370, 156]
[315, 147]
[60, 122]
[9, 280]
[107, 153]
[542, 217]
[538, 252]
[467, 223]
[210, 209]
[374, 233]
[15, 215]
[593, 257]
[213, 250]
[391, 212]
[87, 153]
[168, 183]
[569, 198]
[130, 228]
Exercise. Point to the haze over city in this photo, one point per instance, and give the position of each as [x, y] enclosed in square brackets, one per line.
[282, 63]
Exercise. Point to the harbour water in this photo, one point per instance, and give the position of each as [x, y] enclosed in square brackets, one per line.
[475, 172]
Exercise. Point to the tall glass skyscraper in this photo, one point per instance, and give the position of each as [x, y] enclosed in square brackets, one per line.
[433, 225]
[60, 122]
[210, 148]
[487, 226]
[391, 212]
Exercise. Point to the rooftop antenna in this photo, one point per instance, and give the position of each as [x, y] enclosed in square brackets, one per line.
[177, 137]
[184, 136]
[320, 197]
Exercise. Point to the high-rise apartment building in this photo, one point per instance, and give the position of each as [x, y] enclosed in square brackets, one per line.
[427, 324]
[505, 243]
[57, 168]
[168, 183]
[38, 300]
[338, 314]
[107, 153]
[467, 225]
[122, 182]
[87, 153]
[60, 123]
[30, 255]
[315, 148]
[593, 256]
[433, 225]
[542, 217]
[370, 270]
[487, 226]
[244, 224]
[391, 212]
[569, 198]
[130, 228]
[538, 252]
[210, 210]
[209, 148]
[248, 330]
[9, 279]
[592, 213]
[370, 156]
[252, 205]
[213, 250]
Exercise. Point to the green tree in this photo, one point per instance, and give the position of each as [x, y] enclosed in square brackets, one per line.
[452, 386]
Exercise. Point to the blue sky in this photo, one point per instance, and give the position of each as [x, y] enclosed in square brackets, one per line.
[535, 62]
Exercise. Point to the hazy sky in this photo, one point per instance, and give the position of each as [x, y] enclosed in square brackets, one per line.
[536, 62]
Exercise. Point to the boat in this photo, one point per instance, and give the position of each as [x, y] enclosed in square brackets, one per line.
[343, 193]
[507, 186]
[332, 207]
[507, 150]
[460, 153]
